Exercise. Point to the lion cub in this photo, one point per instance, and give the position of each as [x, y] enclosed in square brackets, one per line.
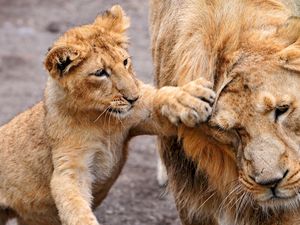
[60, 158]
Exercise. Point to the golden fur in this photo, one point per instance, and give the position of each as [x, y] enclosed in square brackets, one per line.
[60, 158]
[244, 167]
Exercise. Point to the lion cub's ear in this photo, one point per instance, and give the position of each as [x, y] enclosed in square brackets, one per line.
[114, 20]
[290, 56]
[61, 59]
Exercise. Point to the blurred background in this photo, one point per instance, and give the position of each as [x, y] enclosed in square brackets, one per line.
[27, 29]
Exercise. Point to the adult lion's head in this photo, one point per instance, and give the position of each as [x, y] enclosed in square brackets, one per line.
[244, 164]
[258, 110]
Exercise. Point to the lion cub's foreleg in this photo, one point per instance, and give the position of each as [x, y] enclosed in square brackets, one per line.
[189, 104]
[71, 185]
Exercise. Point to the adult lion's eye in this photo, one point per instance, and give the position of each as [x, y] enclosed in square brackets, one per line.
[280, 110]
[125, 62]
[101, 73]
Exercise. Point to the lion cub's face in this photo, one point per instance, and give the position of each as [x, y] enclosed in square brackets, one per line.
[92, 66]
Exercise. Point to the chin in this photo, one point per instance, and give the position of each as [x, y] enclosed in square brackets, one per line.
[120, 113]
[280, 203]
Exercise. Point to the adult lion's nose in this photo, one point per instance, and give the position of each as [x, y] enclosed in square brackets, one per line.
[270, 180]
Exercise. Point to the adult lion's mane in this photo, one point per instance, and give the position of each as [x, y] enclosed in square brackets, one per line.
[194, 38]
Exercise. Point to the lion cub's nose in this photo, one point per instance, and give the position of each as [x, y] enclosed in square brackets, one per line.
[131, 100]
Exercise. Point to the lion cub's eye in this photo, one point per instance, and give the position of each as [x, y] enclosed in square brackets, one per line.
[280, 110]
[101, 73]
[125, 62]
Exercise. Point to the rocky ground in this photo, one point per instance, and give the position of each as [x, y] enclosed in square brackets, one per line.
[28, 28]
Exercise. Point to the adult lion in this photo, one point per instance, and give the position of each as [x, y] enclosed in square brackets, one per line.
[244, 168]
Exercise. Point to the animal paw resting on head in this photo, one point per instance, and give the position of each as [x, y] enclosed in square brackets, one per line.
[190, 104]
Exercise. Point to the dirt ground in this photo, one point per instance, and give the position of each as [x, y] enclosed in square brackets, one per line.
[27, 29]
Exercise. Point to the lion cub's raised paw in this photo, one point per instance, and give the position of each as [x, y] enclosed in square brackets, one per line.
[189, 104]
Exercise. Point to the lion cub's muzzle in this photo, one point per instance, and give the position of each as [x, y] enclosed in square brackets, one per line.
[131, 100]
[122, 105]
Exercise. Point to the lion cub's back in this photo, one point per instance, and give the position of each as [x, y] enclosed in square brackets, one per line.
[25, 160]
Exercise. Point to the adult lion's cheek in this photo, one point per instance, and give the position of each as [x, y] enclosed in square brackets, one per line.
[225, 137]
[224, 119]
[222, 126]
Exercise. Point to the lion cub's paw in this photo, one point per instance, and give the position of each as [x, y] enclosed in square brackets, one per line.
[189, 104]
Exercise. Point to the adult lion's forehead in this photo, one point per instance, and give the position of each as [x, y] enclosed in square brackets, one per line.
[251, 95]
[260, 77]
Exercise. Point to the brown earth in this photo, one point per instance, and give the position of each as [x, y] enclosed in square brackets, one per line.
[27, 29]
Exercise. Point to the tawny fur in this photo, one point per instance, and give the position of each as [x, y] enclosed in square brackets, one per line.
[60, 158]
[250, 50]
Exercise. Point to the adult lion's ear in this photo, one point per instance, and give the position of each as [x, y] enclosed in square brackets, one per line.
[290, 56]
[114, 20]
[290, 30]
[61, 59]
